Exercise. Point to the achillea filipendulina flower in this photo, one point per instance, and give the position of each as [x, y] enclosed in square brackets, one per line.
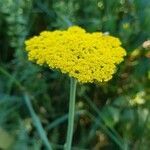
[88, 57]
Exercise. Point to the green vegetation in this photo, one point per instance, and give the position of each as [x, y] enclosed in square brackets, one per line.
[113, 116]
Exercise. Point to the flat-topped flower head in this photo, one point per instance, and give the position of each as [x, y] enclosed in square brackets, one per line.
[88, 57]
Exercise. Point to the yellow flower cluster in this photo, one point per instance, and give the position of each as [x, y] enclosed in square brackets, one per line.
[88, 57]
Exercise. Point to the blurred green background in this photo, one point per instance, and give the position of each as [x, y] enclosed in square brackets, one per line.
[110, 116]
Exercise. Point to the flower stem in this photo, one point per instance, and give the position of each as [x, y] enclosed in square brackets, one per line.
[73, 83]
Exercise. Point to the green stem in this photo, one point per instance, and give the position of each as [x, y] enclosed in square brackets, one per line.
[73, 84]
[37, 123]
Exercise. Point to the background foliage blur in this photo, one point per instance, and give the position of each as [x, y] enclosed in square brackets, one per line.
[109, 116]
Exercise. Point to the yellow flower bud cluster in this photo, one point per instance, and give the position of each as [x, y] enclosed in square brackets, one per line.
[88, 57]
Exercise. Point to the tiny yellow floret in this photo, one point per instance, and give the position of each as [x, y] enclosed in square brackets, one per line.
[88, 57]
